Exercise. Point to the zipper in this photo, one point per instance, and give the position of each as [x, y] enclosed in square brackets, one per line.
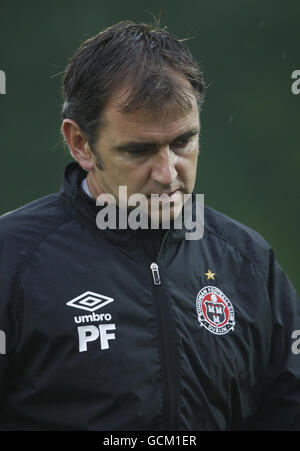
[169, 366]
[155, 273]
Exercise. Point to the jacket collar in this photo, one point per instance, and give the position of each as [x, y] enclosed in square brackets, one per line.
[84, 208]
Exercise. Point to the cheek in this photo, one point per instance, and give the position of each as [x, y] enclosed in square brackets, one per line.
[188, 167]
[133, 176]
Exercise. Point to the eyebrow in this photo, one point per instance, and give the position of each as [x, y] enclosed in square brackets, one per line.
[134, 145]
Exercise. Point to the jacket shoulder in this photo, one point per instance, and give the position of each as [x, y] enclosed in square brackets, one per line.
[249, 243]
[22, 229]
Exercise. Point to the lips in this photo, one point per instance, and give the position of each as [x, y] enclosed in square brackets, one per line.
[169, 193]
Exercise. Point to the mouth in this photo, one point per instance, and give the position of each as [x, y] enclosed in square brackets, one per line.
[169, 193]
[165, 198]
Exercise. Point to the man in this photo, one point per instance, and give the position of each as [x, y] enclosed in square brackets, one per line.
[140, 329]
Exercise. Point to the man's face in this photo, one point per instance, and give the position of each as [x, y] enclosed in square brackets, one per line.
[148, 155]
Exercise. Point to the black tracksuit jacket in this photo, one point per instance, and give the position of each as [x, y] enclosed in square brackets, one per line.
[94, 338]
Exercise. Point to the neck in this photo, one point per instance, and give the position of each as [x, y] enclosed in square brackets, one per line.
[93, 185]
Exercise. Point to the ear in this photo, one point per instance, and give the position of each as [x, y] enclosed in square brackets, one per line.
[78, 144]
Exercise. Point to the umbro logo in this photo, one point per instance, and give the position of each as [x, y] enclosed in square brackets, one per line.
[90, 301]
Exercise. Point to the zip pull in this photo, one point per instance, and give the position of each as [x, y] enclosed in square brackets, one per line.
[155, 273]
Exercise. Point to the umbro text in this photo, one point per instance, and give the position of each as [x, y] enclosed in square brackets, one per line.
[92, 318]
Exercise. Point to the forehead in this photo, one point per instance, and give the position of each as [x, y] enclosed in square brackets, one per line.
[170, 121]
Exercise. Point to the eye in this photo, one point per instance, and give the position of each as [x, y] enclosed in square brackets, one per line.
[140, 152]
[180, 143]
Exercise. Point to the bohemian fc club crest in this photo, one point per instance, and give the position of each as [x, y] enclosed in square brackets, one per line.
[215, 311]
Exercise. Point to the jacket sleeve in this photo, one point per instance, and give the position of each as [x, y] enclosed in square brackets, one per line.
[5, 339]
[280, 396]
[8, 300]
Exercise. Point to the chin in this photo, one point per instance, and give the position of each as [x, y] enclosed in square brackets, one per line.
[164, 215]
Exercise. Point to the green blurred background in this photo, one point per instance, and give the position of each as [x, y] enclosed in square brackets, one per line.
[250, 161]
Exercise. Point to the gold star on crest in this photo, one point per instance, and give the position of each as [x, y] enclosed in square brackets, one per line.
[210, 275]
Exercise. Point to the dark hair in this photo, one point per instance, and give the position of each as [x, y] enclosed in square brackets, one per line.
[147, 58]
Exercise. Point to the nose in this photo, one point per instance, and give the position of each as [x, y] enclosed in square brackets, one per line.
[163, 167]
